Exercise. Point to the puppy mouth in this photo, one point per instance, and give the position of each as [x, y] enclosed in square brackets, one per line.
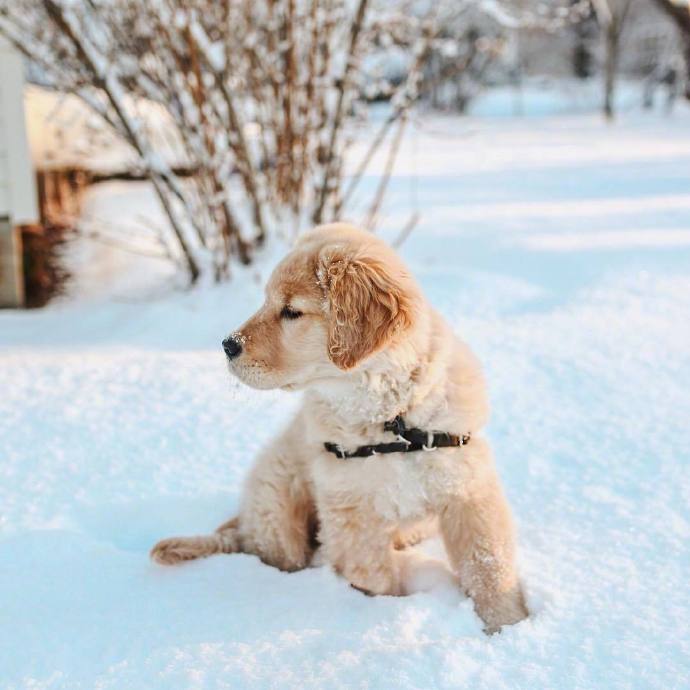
[252, 374]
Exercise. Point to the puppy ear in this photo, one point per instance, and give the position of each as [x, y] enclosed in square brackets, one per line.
[367, 306]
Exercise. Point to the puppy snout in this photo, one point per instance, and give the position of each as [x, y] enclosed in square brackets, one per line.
[232, 347]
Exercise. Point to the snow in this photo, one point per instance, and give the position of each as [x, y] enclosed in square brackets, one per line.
[558, 247]
[539, 96]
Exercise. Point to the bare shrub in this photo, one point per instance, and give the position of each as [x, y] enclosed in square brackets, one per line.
[254, 95]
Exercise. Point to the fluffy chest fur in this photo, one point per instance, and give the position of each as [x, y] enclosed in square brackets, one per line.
[437, 388]
[399, 487]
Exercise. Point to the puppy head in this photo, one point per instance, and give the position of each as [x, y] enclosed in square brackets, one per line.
[338, 298]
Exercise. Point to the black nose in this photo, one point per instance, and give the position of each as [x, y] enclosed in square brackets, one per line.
[232, 347]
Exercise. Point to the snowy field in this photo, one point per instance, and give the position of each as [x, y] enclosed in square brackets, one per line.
[560, 250]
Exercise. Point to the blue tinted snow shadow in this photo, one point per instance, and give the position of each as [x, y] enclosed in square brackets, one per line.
[552, 183]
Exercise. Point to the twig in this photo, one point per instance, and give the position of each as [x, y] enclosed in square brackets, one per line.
[104, 239]
[385, 178]
[406, 229]
[355, 29]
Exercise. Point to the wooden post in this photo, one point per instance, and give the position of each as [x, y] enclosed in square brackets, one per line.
[17, 188]
[11, 266]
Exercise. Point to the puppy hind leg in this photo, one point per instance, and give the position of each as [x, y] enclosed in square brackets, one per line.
[175, 550]
[278, 525]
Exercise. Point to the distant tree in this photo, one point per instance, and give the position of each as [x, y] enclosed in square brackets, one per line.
[457, 69]
[585, 31]
[679, 13]
[487, 42]
[612, 16]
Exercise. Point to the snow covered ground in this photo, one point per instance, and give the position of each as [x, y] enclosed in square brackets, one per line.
[560, 249]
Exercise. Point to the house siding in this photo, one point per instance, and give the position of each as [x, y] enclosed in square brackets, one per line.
[18, 203]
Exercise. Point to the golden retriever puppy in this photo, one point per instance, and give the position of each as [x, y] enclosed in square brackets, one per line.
[387, 440]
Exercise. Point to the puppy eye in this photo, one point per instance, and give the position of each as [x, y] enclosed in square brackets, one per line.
[289, 313]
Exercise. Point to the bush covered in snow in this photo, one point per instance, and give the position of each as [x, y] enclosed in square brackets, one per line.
[256, 94]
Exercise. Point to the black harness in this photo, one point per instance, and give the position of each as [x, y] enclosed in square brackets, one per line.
[409, 441]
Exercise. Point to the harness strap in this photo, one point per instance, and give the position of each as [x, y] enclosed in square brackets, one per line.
[409, 441]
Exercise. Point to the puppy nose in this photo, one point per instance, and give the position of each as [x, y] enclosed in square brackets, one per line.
[232, 347]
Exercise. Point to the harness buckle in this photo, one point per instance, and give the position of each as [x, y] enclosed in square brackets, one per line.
[397, 425]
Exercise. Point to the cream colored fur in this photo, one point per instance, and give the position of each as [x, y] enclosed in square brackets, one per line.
[367, 347]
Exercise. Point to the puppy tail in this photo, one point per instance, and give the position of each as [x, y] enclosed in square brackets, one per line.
[225, 539]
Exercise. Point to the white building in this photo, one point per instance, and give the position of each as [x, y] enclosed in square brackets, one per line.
[18, 203]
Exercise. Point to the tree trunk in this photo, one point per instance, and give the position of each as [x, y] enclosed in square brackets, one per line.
[584, 31]
[610, 69]
[681, 16]
[686, 56]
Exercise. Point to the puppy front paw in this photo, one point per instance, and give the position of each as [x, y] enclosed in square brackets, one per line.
[508, 609]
